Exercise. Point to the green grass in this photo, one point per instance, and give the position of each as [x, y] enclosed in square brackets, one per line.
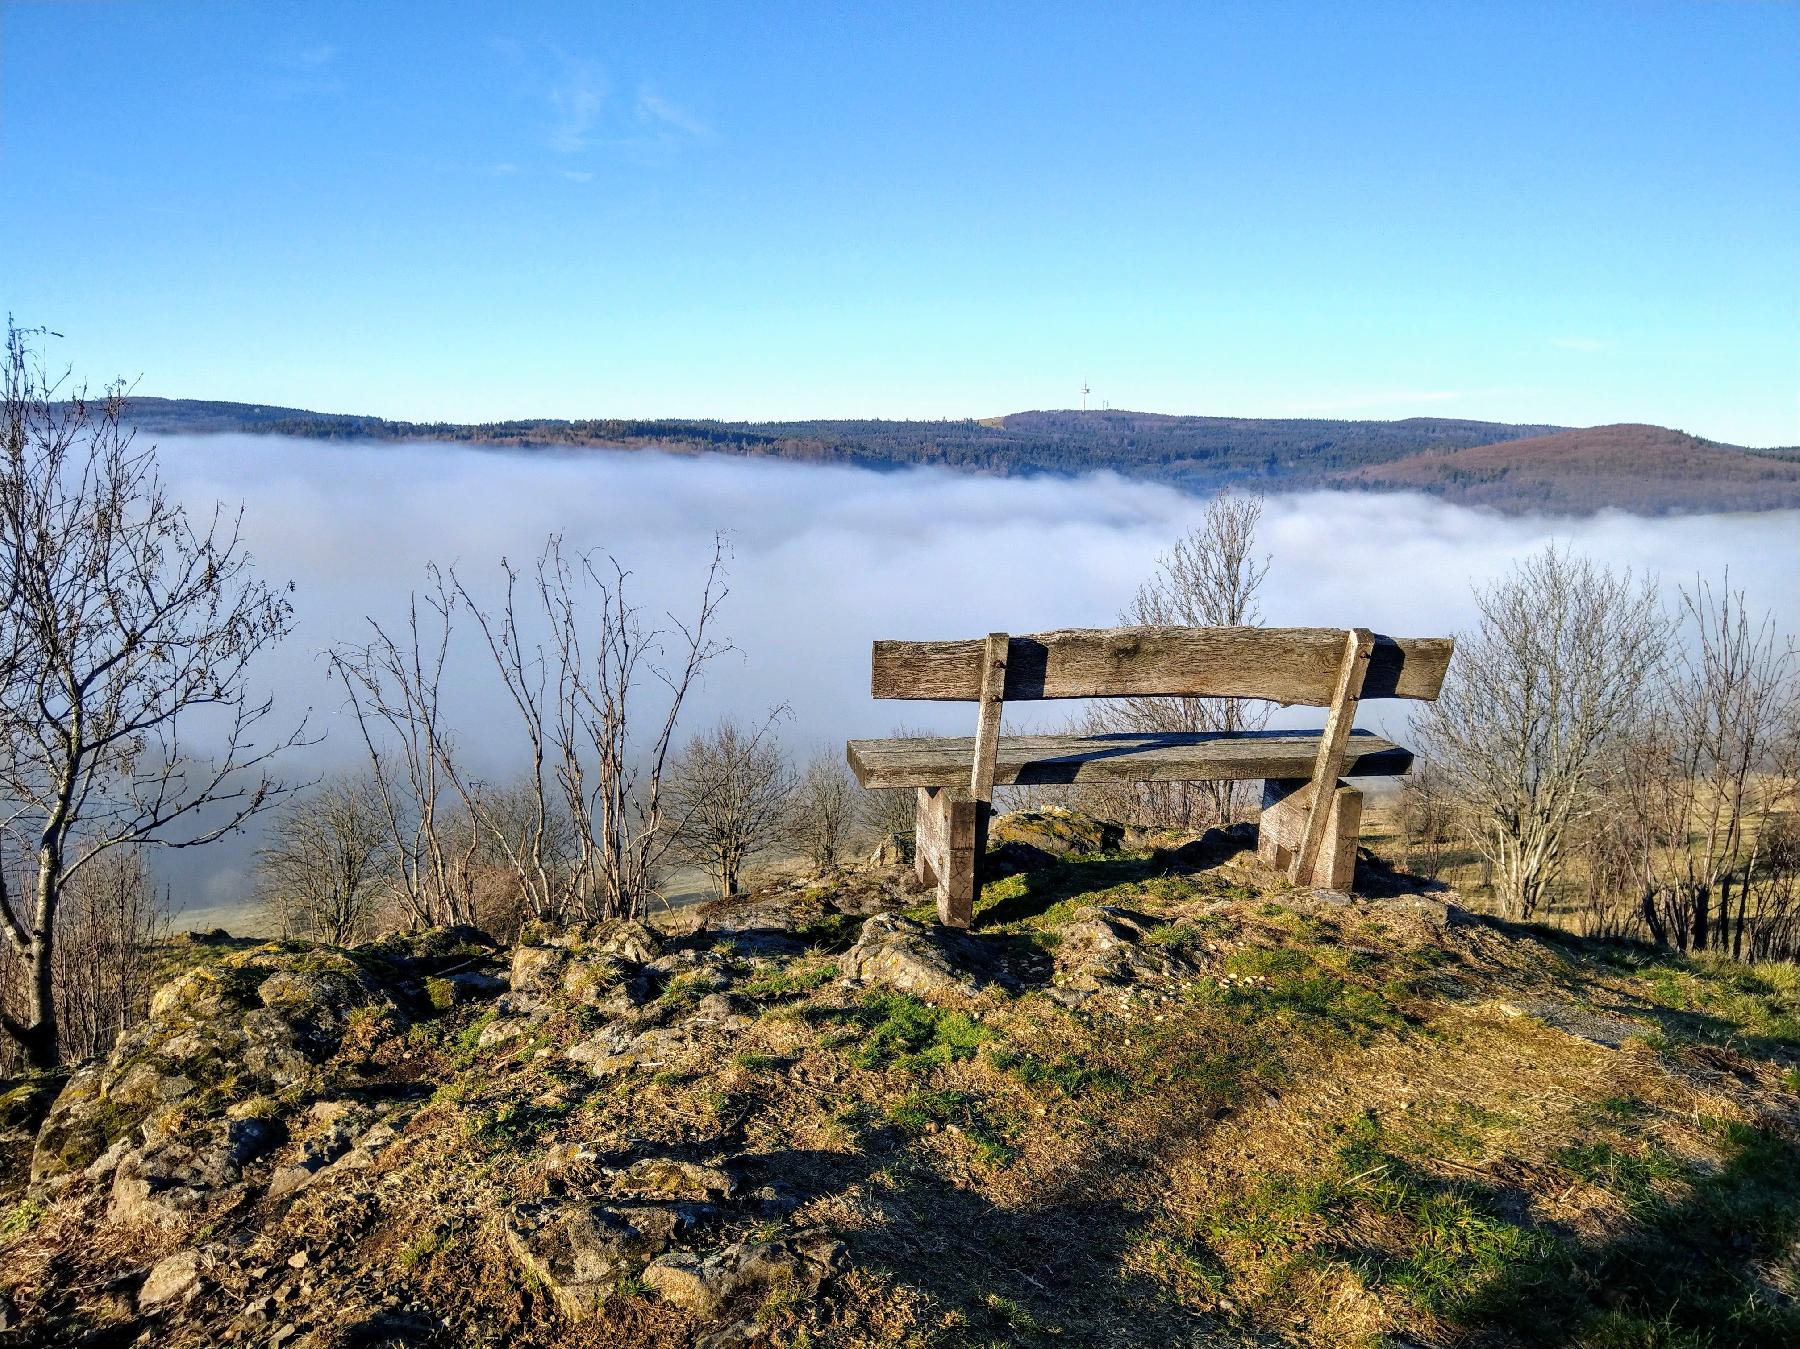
[686, 990]
[513, 1127]
[923, 1110]
[1688, 1273]
[1633, 1175]
[789, 983]
[1292, 985]
[465, 1045]
[899, 1030]
[22, 1217]
[416, 1253]
[1070, 1074]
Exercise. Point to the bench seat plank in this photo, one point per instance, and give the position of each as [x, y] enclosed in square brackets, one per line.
[1151, 757]
[1284, 665]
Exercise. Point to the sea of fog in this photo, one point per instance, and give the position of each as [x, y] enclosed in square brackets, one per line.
[825, 560]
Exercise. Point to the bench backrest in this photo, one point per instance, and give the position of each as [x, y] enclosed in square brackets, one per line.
[1284, 665]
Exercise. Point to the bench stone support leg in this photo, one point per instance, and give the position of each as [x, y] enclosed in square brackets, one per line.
[950, 836]
[1286, 804]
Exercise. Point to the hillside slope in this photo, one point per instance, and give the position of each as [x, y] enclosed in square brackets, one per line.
[1193, 451]
[1157, 1097]
[1521, 468]
[1646, 469]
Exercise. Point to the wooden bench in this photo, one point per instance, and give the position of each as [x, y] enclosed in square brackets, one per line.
[1311, 833]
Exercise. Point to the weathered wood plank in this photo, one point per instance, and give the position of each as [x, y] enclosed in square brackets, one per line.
[1285, 665]
[1358, 643]
[925, 863]
[1287, 804]
[950, 837]
[1152, 757]
[987, 726]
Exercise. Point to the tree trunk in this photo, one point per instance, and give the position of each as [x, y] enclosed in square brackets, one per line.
[40, 1039]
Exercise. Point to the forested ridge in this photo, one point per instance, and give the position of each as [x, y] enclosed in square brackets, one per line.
[1652, 471]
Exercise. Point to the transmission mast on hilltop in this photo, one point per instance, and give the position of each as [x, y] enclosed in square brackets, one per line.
[1084, 394]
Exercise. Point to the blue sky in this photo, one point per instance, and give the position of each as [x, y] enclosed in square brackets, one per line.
[1573, 213]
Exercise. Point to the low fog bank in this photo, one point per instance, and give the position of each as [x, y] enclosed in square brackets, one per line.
[825, 560]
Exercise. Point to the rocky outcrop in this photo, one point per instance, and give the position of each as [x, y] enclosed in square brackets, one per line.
[706, 1284]
[581, 1251]
[895, 850]
[258, 1023]
[171, 1182]
[173, 1278]
[612, 967]
[902, 954]
[1027, 840]
[1105, 946]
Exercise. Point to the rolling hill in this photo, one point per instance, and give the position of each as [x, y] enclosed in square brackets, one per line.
[1510, 467]
[1645, 469]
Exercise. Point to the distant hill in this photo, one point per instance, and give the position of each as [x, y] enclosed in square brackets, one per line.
[1197, 453]
[1647, 469]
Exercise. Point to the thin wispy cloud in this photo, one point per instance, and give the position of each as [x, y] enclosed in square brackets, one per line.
[576, 99]
[308, 72]
[655, 111]
[584, 116]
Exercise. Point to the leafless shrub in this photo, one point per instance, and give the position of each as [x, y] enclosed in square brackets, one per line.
[110, 917]
[1772, 880]
[127, 627]
[1556, 674]
[327, 862]
[582, 832]
[822, 811]
[1210, 578]
[728, 792]
[1706, 774]
[1428, 821]
[394, 683]
[888, 812]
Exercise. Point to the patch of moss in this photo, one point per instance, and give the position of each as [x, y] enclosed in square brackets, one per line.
[788, 983]
[901, 1030]
[22, 1217]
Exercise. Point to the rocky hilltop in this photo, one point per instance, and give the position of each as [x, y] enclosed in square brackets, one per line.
[1156, 1097]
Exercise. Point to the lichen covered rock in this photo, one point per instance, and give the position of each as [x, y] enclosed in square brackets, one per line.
[1026, 840]
[900, 953]
[580, 1252]
[257, 1023]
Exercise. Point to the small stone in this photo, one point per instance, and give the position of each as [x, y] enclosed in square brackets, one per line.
[299, 1260]
[174, 1276]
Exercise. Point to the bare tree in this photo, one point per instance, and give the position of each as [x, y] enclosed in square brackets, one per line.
[1710, 769]
[823, 811]
[582, 832]
[126, 625]
[1210, 578]
[111, 915]
[579, 693]
[1427, 820]
[394, 686]
[729, 790]
[326, 864]
[1557, 672]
